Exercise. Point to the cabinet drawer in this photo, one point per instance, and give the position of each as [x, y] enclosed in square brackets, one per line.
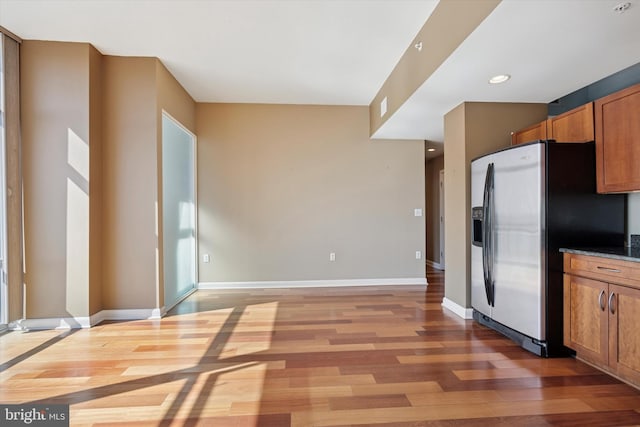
[605, 269]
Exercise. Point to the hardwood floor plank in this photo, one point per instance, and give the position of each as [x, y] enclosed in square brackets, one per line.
[395, 388]
[482, 374]
[438, 412]
[375, 401]
[448, 358]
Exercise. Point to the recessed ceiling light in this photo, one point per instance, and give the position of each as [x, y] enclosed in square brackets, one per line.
[500, 78]
[431, 149]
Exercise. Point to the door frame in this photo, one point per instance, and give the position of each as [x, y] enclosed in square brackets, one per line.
[441, 219]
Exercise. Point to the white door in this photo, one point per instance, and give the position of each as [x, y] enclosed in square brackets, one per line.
[178, 210]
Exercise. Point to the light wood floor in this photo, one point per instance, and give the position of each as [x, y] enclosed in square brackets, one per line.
[307, 357]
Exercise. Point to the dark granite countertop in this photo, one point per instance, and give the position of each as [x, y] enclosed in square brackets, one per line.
[622, 252]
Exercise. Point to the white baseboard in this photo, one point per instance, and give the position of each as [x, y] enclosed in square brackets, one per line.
[87, 322]
[435, 265]
[312, 283]
[130, 314]
[52, 323]
[460, 311]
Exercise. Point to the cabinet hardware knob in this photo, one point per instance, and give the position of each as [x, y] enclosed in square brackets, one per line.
[601, 300]
[611, 270]
[612, 309]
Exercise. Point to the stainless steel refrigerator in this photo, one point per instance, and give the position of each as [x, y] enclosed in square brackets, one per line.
[528, 201]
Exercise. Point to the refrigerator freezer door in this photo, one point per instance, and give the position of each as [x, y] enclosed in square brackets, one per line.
[518, 227]
[479, 300]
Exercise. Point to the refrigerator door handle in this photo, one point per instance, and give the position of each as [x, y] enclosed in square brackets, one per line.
[491, 234]
[487, 250]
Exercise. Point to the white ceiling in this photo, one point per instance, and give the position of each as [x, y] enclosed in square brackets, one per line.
[339, 52]
[550, 48]
[335, 52]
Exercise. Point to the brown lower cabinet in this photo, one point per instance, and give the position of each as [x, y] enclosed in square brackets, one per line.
[602, 313]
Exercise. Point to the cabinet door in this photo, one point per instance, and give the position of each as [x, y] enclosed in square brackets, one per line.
[531, 133]
[617, 127]
[573, 126]
[586, 318]
[624, 337]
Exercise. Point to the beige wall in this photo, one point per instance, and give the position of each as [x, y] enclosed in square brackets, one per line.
[92, 145]
[280, 187]
[130, 183]
[456, 275]
[449, 24]
[471, 130]
[96, 188]
[174, 100]
[432, 207]
[56, 142]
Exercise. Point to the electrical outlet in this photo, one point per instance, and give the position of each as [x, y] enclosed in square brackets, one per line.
[206, 258]
[332, 256]
[418, 254]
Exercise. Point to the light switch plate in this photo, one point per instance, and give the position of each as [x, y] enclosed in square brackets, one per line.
[417, 212]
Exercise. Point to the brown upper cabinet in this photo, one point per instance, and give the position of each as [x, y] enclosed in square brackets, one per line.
[572, 126]
[531, 133]
[617, 124]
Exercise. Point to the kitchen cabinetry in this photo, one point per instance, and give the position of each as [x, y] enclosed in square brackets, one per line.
[572, 126]
[602, 313]
[617, 124]
[531, 133]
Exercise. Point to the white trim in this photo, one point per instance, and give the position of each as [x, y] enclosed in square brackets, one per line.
[87, 322]
[435, 265]
[312, 283]
[51, 323]
[460, 311]
[131, 314]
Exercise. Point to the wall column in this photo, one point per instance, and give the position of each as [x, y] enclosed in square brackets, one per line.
[472, 129]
